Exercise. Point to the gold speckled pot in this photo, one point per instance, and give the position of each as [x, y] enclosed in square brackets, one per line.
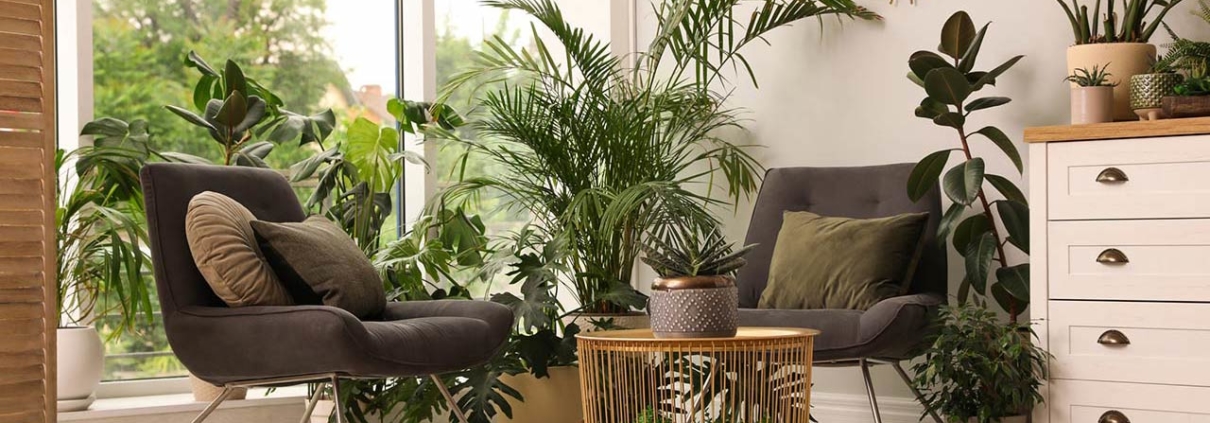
[1147, 91]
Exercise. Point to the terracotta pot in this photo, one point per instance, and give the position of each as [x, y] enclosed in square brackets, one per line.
[1092, 105]
[1124, 60]
[81, 358]
[589, 322]
[554, 399]
[694, 307]
[203, 391]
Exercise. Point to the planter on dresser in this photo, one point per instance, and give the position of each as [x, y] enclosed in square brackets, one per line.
[1120, 223]
[1123, 61]
[1147, 92]
[1091, 105]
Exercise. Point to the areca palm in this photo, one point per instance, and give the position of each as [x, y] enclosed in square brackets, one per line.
[604, 153]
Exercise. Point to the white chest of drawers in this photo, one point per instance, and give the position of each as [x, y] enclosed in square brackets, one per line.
[1120, 274]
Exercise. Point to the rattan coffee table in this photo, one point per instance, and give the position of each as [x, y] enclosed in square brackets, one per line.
[761, 375]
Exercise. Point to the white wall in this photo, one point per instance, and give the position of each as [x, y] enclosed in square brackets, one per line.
[839, 97]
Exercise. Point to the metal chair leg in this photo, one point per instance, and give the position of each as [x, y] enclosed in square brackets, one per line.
[319, 390]
[919, 397]
[340, 405]
[869, 389]
[450, 398]
[222, 396]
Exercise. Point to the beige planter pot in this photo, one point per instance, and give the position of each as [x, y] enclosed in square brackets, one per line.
[1009, 419]
[554, 399]
[589, 322]
[203, 391]
[1124, 60]
[80, 359]
[1092, 105]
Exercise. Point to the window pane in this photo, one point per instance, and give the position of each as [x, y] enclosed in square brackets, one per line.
[314, 54]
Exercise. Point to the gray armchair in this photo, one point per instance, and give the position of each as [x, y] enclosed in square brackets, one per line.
[894, 328]
[281, 345]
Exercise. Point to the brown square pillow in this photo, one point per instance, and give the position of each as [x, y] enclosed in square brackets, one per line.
[320, 255]
[224, 247]
[841, 263]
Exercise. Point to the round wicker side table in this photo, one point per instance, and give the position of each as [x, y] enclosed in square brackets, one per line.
[761, 375]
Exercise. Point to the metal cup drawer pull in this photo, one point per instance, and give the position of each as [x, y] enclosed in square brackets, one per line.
[1113, 416]
[1113, 337]
[1112, 175]
[1112, 256]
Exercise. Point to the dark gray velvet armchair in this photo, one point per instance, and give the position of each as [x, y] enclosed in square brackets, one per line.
[270, 346]
[890, 331]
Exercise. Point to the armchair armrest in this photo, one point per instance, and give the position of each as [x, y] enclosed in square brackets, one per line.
[898, 324]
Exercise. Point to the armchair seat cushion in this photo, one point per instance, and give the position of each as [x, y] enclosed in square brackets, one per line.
[891, 328]
[411, 339]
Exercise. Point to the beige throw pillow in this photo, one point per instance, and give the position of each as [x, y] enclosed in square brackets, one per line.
[220, 236]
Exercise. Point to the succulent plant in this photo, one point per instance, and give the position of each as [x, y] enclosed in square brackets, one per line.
[1097, 77]
[1131, 28]
[688, 253]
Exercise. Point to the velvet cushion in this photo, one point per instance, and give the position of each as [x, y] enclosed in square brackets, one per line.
[225, 249]
[842, 263]
[317, 254]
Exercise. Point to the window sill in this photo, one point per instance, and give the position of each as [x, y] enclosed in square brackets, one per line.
[288, 403]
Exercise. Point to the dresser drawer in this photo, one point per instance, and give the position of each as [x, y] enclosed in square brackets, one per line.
[1158, 260]
[1129, 179]
[1074, 401]
[1130, 342]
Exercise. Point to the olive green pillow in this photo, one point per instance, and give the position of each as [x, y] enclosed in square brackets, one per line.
[842, 263]
[219, 232]
[316, 253]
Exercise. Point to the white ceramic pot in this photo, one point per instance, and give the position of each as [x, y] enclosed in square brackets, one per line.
[1092, 105]
[554, 399]
[80, 359]
[1123, 60]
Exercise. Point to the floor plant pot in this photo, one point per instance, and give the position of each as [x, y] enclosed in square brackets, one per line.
[589, 322]
[1092, 105]
[203, 391]
[553, 399]
[80, 359]
[1123, 60]
[1147, 93]
[1009, 419]
[694, 307]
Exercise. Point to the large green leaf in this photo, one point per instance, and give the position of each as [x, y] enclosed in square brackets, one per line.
[931, 109]
[1006, 300]
[1006, 145]
[969, 231]
[963, 182]
[234, 79]
[1015, 280]
[947, 85]
[950, 119]
[978, 258]
[924, 176]
[989, 78]
[957, 35]
[1015, 217]
[986, 103]
[1006, 188]
[370, 149]
[972, 53]
[922, 62]
[949, 219]
[234, 109]
[190, 117]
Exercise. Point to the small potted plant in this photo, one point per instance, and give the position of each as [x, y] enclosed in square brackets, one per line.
[695, 295]
[1120, 35]
[1092, 97]
[980, 369]
[1147, 91]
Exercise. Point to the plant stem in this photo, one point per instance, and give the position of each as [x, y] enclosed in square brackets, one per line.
[991, 219]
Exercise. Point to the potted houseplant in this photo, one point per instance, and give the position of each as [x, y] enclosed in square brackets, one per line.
[1118, 35]
[695, 295]
[99, 238]
[983, 238]
[1092, 97]
[595, 148]
[1147, 91]
[980, 370]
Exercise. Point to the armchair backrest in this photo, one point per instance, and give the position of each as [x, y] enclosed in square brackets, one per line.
[856, 192]
[168, 188]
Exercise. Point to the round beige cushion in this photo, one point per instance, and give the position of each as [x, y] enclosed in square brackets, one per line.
[224, 247]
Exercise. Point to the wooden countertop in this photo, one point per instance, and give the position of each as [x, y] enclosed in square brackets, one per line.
[1105, 131]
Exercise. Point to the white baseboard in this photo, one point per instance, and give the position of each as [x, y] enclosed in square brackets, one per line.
[851, 408]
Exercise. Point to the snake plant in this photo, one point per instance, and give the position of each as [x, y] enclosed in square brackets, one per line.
[1130, 26]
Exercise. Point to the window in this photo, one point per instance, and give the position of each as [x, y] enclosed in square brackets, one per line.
[315, 54]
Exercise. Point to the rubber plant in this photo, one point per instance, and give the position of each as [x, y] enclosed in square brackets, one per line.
[950, 82]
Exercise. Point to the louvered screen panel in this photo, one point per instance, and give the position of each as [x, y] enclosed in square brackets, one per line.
[27, 248]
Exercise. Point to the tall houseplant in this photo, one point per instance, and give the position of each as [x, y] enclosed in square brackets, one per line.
[99, 239]
[594, 149]
[1118, 35]
[983, 238]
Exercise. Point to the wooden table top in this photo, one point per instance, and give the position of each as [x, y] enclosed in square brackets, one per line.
[1117, 130]
[742, 334]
